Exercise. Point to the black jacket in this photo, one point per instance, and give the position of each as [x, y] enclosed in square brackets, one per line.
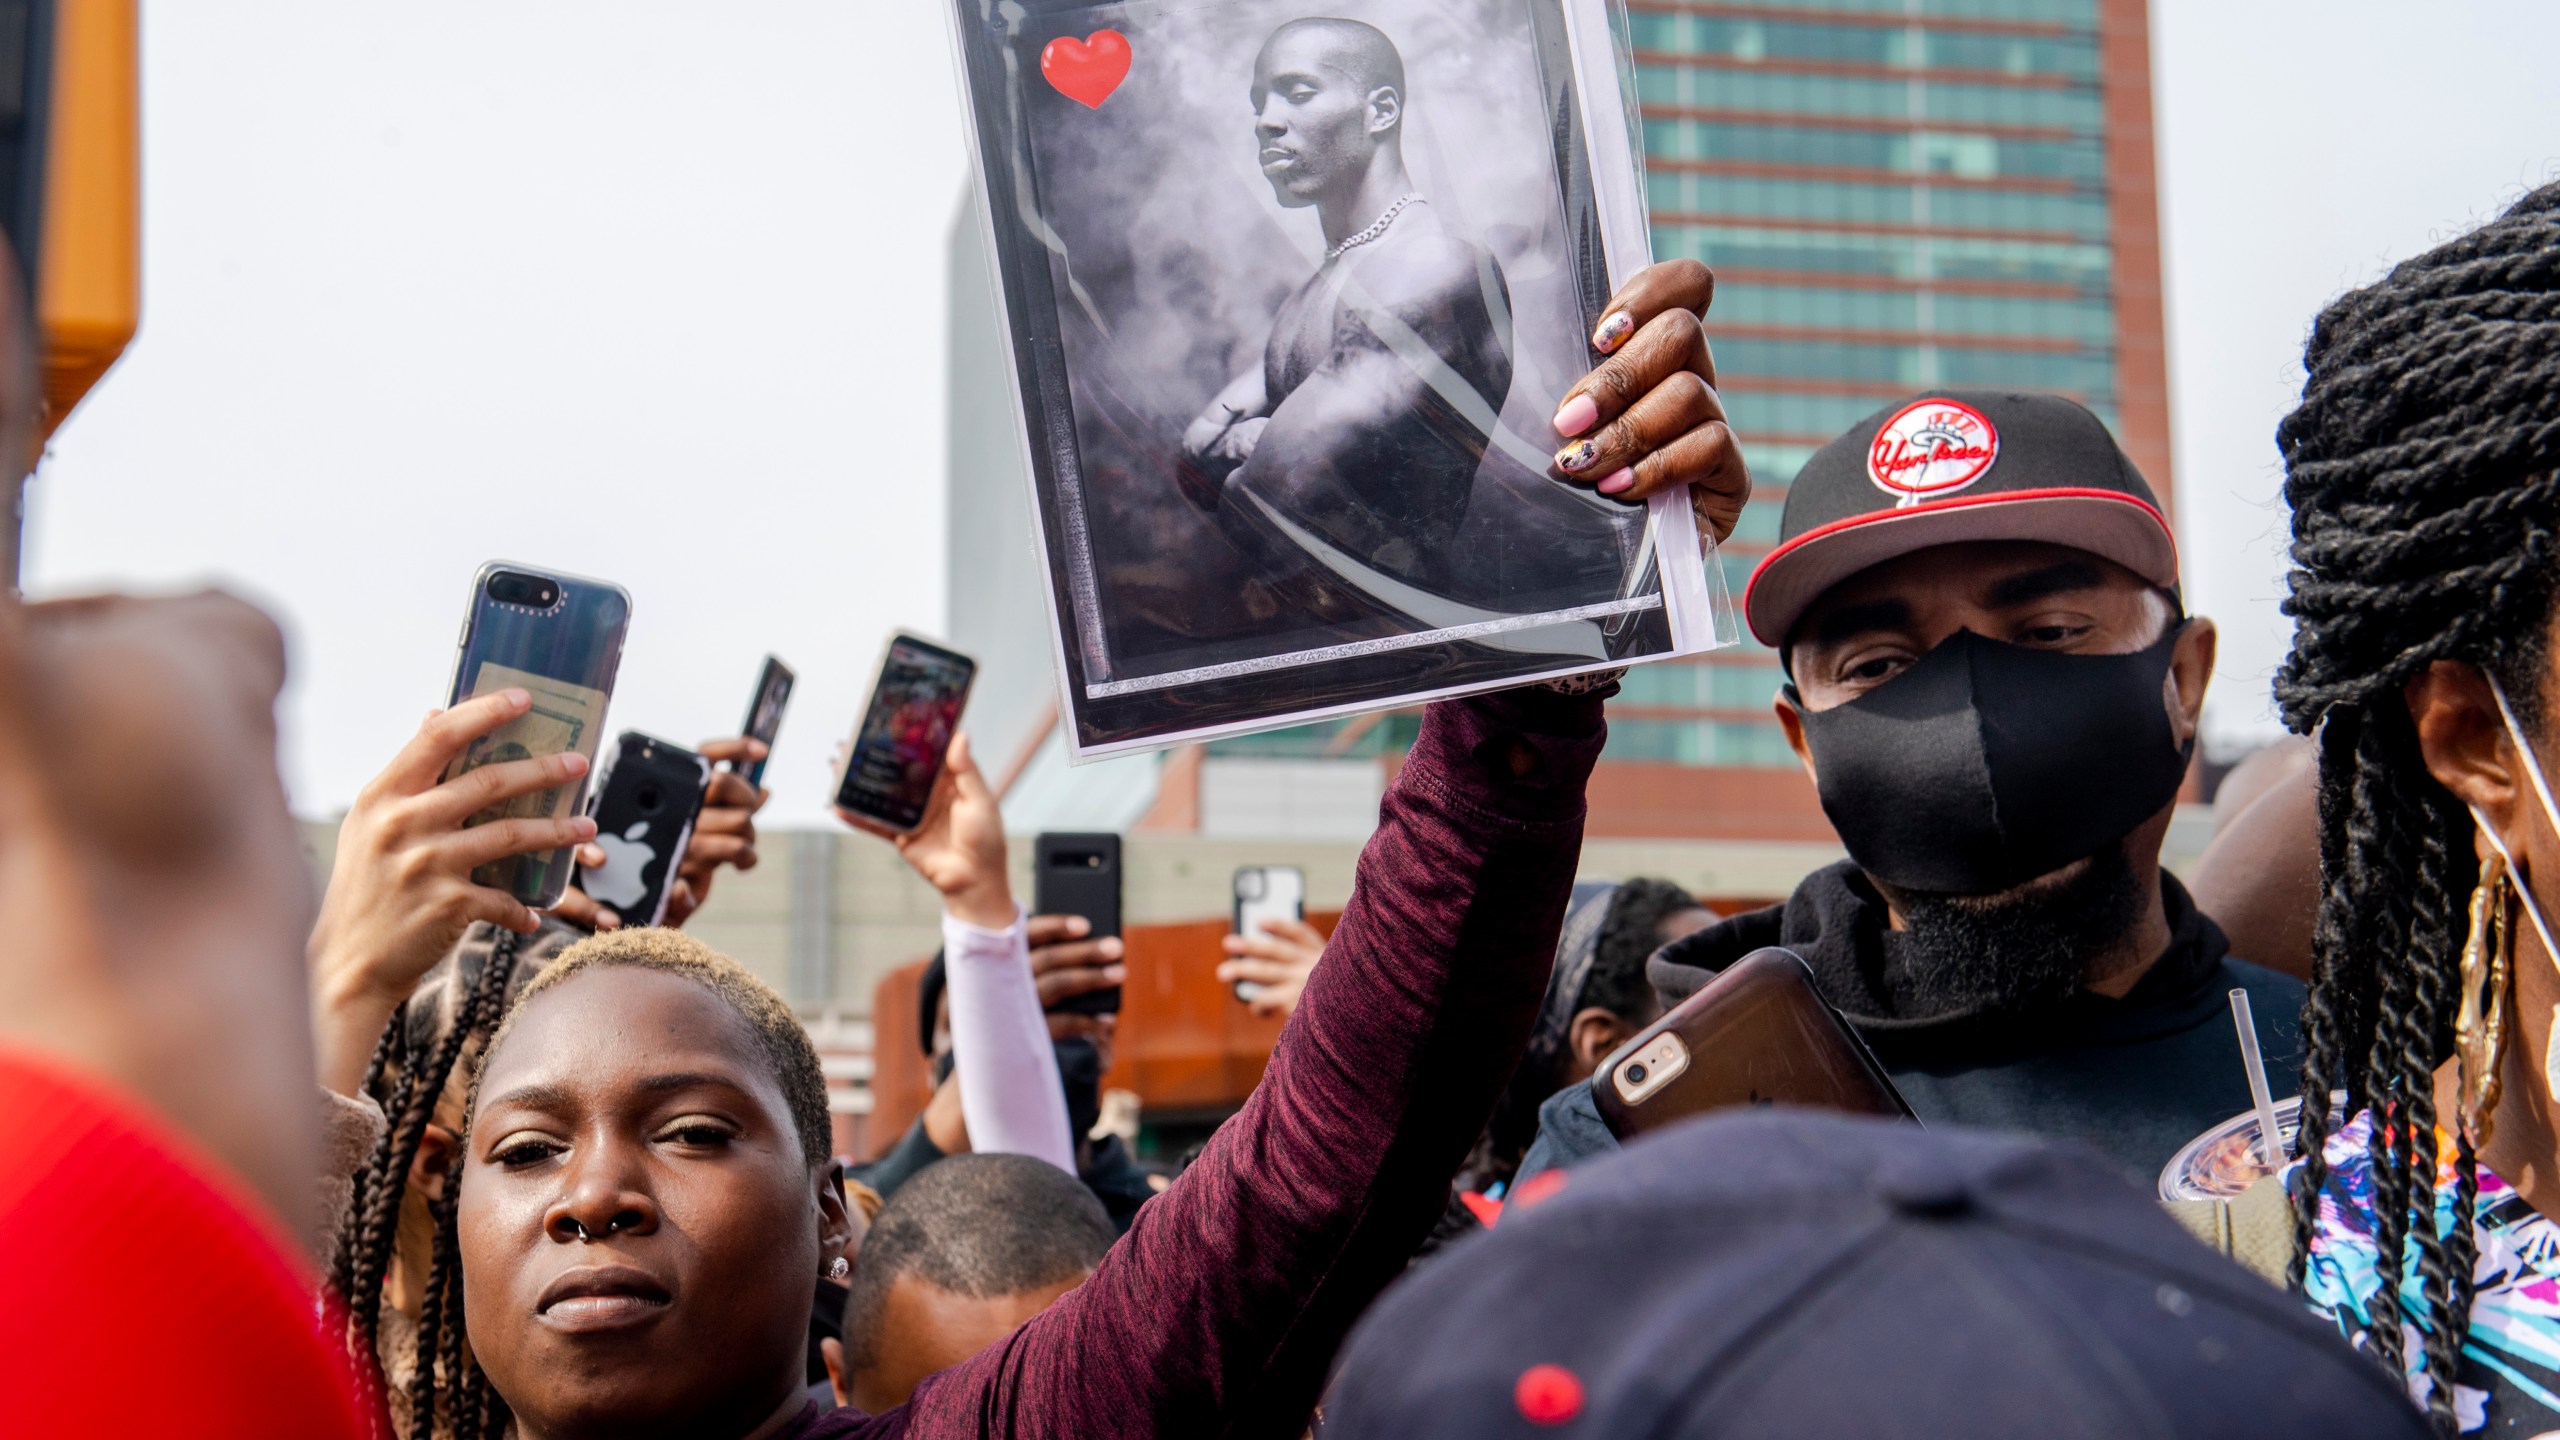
[2135, 1077]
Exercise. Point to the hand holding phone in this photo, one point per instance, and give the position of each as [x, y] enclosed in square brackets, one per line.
[1757, 1034]
[401, 888]
[646, 801]
[1274, 949]
[559, 639]
[958, 846]
[1079, 874]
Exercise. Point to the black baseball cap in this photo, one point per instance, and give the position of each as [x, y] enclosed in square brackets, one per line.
[1952, 465]
[1766, 1274]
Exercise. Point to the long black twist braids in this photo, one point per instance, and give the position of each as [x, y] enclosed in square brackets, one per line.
[2423, 471]
[411, 1068]
[448, 1381]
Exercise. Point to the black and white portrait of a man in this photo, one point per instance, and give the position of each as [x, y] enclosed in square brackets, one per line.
[1344, 422]
[1295, 298]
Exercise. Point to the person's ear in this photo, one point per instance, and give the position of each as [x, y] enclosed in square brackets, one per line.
[835, 1220]
[1386, 109]
[831, 1350]
[2190, 671]
[1592, 1034]
[438, 1153]
[1791, 720]
[2464, 742]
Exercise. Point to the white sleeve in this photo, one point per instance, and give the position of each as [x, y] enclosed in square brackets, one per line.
[1009, 1091]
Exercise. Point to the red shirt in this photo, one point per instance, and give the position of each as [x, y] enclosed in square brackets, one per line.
[101, 1202]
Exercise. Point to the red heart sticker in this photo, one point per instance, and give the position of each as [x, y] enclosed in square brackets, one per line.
[1087, 70]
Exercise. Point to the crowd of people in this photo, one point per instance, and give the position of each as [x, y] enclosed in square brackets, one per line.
[399, 1156]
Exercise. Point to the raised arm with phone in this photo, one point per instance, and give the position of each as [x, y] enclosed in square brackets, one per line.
[1009, 1093]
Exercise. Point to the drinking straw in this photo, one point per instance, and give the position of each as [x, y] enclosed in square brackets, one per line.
[2270, 1140]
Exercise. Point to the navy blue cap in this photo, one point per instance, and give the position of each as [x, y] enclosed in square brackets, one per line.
[1796, 1275]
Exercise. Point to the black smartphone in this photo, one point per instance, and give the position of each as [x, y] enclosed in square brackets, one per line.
[1080, 875]
[559, 638]
[764, 714]
[1266, 892]
[905, 732]
[648, 794]
[1757, 1034]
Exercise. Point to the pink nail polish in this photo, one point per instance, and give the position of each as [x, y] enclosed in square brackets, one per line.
[1575, 415]
[1619, 483]
[1577, 456]
[1612, 330]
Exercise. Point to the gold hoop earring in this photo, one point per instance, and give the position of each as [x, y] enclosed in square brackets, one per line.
[2480, 1028]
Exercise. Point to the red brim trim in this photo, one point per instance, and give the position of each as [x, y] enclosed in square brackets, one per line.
[2108, 523]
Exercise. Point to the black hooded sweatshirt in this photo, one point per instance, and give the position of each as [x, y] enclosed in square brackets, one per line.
[2136, 1077]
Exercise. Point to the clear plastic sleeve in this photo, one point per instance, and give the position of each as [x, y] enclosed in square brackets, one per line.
[1292, 293]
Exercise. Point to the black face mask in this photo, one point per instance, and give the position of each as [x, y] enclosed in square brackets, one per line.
[1986, 765]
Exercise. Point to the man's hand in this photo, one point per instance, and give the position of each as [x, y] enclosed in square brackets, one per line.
[1277, 962]
[959, 846]
[1065, 965]
[153, 887]
[400, 891]
[725, 832]
[1648, 419]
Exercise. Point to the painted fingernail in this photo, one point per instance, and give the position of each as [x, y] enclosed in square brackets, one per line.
[1612, 330]
[1577, 457]
[1620, 483]
[1575, 415]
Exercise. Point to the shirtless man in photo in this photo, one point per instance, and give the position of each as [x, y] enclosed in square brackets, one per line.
[1361, 430]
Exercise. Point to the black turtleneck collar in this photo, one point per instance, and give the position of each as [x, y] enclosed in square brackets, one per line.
[1838, 923]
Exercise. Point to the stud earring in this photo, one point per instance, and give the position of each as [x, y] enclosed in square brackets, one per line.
[839, 1268]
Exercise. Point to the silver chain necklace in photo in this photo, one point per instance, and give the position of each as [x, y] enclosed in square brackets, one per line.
[1376, 228]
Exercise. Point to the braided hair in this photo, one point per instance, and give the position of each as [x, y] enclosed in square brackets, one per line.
[2423, 471]
[417, 1075]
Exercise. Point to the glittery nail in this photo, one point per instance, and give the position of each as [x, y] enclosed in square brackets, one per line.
[1612, 330]
[1577, 456]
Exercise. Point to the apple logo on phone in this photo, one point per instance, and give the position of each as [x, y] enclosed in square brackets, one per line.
[618, 882]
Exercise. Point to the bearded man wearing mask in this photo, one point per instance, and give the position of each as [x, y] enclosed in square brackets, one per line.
[1995, 688]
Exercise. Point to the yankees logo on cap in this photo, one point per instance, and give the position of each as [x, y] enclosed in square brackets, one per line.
[1931, 448]
[1921, 472]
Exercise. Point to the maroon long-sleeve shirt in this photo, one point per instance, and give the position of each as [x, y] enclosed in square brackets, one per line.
[1220, 1310]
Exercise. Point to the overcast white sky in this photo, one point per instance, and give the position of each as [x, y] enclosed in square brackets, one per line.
[655, 291]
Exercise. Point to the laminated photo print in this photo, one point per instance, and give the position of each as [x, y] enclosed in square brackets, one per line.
[1293, 288]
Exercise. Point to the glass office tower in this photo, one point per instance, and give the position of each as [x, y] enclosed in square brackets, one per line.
[1894, 194]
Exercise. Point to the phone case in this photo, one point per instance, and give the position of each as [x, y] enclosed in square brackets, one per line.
[764, 713]
[566, 655]
[1758, 1034]
[1266, 892]
[897, 753]
[648, 794]
[1074, 874]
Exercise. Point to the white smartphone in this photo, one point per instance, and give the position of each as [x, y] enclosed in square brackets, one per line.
[1266, 892]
